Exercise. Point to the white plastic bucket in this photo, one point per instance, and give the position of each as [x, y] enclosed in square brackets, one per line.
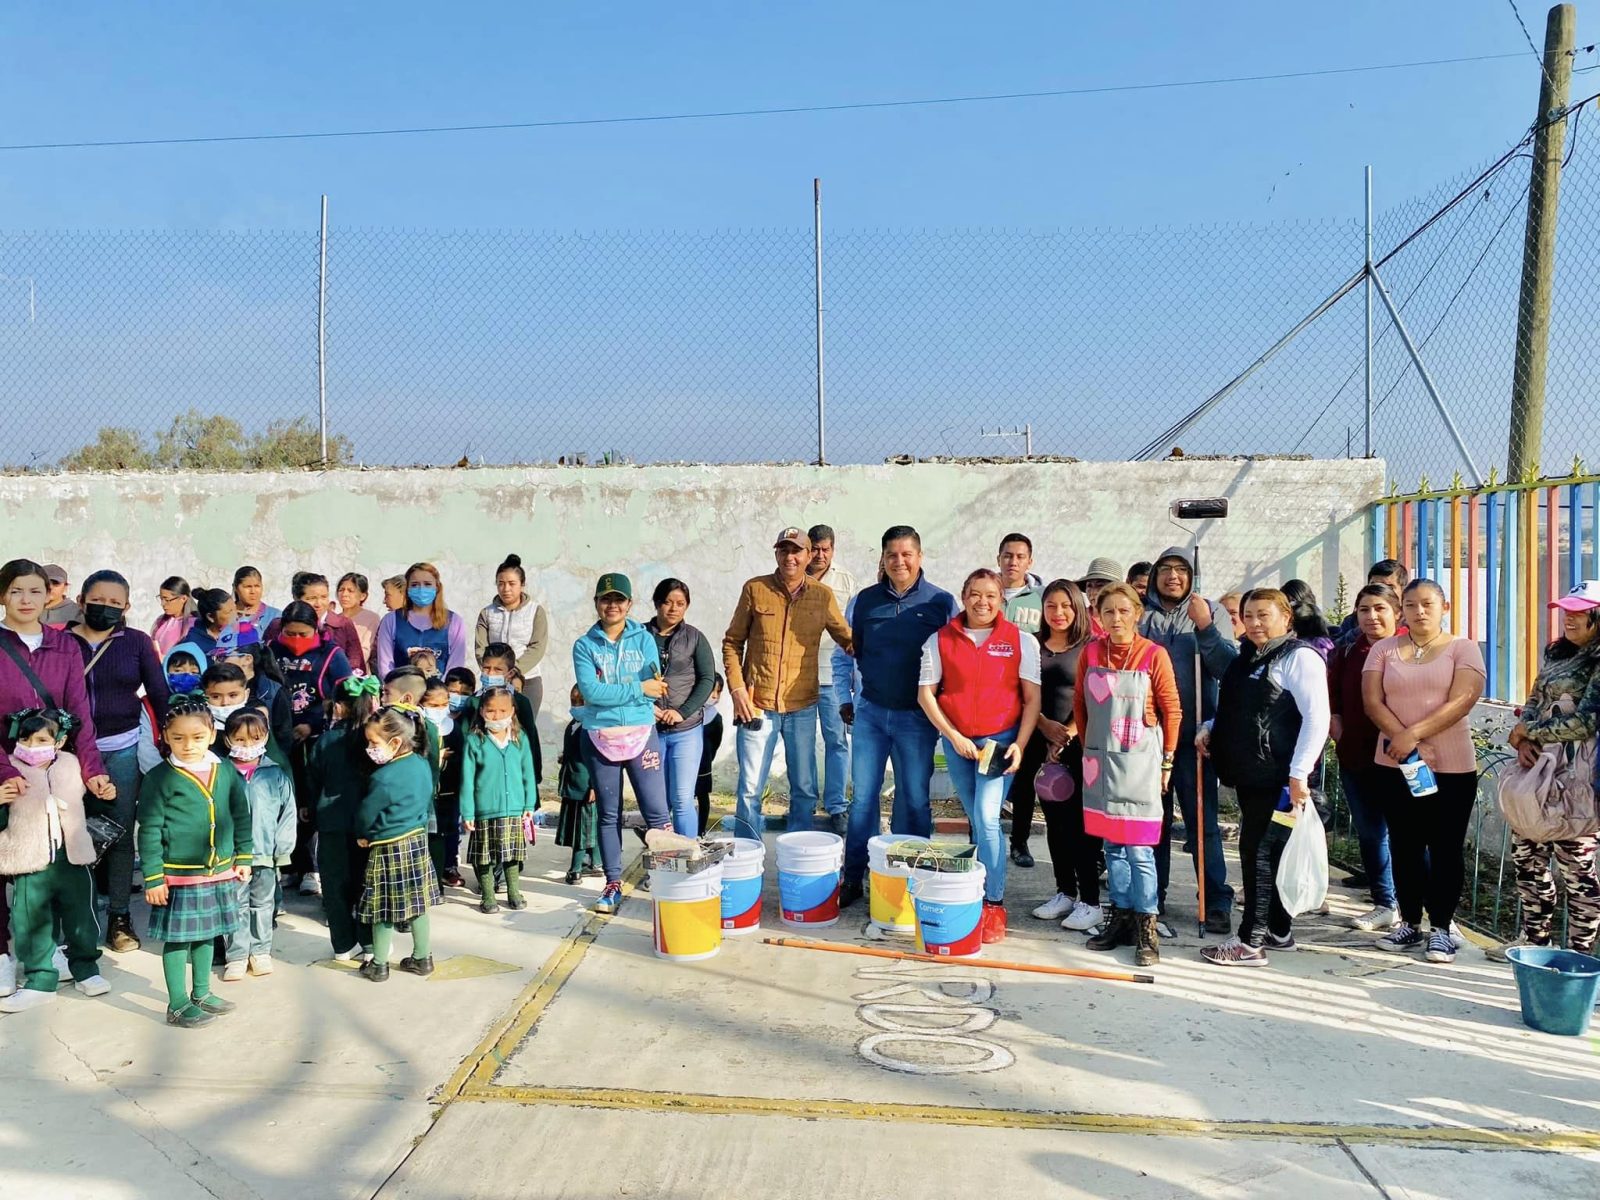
[949, 911]
[810, 866]
[742, 875]
[889, 901]
[688, 913]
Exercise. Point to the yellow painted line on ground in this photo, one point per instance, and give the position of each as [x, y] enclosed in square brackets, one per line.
[1435, 1136]
[483, 1063]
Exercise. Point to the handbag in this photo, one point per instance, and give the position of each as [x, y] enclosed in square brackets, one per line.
[1054, 783]
[104, 833]
[1553, 800]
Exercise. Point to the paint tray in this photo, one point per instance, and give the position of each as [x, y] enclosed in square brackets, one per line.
[685, 856]
[947, 858]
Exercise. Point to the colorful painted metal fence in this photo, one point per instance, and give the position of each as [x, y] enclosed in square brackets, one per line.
[1501, 552]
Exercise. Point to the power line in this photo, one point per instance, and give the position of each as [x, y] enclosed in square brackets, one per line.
[1532, 49]
[725, 114]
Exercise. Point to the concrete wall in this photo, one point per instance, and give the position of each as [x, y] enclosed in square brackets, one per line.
[711, 526]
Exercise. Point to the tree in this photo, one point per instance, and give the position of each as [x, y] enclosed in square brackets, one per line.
[196, 442]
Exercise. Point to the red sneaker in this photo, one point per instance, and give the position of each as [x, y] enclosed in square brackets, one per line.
[994, 922]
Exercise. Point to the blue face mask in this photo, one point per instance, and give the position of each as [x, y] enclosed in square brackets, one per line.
[183, 684]
[421, 595]
[491, 681]
[459, 703]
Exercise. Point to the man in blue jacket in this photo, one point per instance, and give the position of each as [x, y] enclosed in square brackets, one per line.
[1180, 619]
[893, 618]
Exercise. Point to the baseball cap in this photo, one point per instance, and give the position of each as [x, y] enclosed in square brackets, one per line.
[55, 573]
[792, 534]
[612, 583]
[1102, 570]
[1581, 598]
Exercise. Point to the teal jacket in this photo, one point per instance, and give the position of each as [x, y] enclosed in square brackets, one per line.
[398, 800]
[609, 674]
[272, 814]
[497, 781]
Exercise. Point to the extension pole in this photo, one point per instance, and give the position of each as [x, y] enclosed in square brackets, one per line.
[1199, 835]
[822, 424]
[987, 963]
[322, 332]
[1532, 348]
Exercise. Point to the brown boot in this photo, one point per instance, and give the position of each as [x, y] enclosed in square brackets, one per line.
[1117, 931]
[1149, 943]
[120, 938]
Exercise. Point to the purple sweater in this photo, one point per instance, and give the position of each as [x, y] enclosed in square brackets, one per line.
[129, 662]
[58, 662]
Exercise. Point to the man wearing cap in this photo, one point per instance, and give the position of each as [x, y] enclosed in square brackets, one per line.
[835, 738]
[1102, 571]
[770, 655]
[893, 618]
[59, 611]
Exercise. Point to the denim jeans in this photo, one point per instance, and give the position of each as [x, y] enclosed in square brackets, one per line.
[123, 767]
[798, 729]
[1131, 877]
[981, 797]
[680, 754]
[880, 736]
[648, 781]
[1219, 896]
[1372, 831]
[835, 750]
[257, 897]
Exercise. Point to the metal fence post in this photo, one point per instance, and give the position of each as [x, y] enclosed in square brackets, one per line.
[322, 332]
[822, 422]
[1368, 275]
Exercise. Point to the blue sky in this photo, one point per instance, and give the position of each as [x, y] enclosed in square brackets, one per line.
[1217, 216]
[1262, 151]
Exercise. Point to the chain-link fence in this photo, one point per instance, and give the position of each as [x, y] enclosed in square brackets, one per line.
[508, 347]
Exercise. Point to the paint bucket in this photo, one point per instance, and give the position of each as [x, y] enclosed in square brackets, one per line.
[809, 869]
[1557, 988]
[949, 910]
[688, 913]
[742, 873]
[889, 902]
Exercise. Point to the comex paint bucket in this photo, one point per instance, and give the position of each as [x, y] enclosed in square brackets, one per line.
[742, 874]
[949, 911]
[688, 913]
[809, 869]
[889, 900]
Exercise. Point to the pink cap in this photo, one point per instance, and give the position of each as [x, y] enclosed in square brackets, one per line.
[1581, 598]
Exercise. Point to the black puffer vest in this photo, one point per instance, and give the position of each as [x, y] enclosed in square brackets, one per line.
[1257, 723]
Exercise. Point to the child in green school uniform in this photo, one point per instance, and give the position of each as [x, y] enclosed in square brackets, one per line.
[392, 820]
[337, 772]
[445, 844]
[499, 792]
[195, 842]
[578, 825]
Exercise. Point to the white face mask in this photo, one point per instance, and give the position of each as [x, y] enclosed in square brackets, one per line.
[380, 754]
[247, 753]
[503, 726]
[221, 712]
[439, 716]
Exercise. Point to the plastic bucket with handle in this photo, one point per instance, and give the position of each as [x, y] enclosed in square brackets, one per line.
[1557, 988]
[810, 865]
[688, 913]
[889, 901]
[742, 875]
[949, 911]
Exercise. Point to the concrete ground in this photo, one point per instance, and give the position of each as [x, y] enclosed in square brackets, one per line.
[554, 1056]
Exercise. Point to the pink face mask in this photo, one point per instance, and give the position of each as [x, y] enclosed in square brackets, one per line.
[35, 756]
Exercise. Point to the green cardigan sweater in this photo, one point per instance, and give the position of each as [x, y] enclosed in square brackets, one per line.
[337, 778]
[497, 782]
[399, 797]
[188, 830]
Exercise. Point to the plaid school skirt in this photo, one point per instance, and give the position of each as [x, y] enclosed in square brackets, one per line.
[196, 912]
[400, 883]
[498, 840]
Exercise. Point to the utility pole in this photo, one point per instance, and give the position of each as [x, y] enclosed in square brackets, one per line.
[822, 406]
[1539, 246]
[322, 332]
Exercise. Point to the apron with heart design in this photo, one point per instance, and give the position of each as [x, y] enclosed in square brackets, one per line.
[1121, 754]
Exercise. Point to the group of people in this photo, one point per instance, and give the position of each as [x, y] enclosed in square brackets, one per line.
[238, 749]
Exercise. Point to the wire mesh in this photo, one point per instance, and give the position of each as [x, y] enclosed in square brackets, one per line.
[172, 349]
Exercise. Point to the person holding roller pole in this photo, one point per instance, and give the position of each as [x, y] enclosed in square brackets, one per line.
[1185, 624]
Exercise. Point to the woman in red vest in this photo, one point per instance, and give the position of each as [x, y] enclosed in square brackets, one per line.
[979, 685]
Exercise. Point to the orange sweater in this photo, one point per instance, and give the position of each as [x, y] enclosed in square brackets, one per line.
[1161, 707]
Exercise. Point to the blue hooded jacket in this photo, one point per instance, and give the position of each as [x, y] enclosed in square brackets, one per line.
[1173, 629]
[609, 675]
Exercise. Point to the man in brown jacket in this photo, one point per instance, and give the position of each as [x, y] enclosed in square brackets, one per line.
[770, 654]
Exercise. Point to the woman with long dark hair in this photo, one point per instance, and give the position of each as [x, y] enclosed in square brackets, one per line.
[690, 670]
[1307, 623]
[425, 623]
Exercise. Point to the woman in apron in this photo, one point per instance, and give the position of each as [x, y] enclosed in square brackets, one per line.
[1126, 692]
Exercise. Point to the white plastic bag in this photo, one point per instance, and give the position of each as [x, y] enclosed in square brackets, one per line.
[1303, 869]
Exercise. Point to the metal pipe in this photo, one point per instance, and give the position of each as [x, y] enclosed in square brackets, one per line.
[322, 332]
[1456, 615]
[1491, 593]
[1552, 557]
[1427, 379]
[986, 964]
[1472, 567]
[822, 421]
[1367, 275]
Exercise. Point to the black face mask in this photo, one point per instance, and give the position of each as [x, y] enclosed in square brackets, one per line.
[101, 617]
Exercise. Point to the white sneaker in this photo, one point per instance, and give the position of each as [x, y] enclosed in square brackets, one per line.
[351, 955]
[58, 960]
[1056, 907]
[260, 964]
[311, 885]
[1376, 919]
[1083, 917]
[95, 985]
[8, 973]
[24, 999]
[1457, 938]
[234, 971]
